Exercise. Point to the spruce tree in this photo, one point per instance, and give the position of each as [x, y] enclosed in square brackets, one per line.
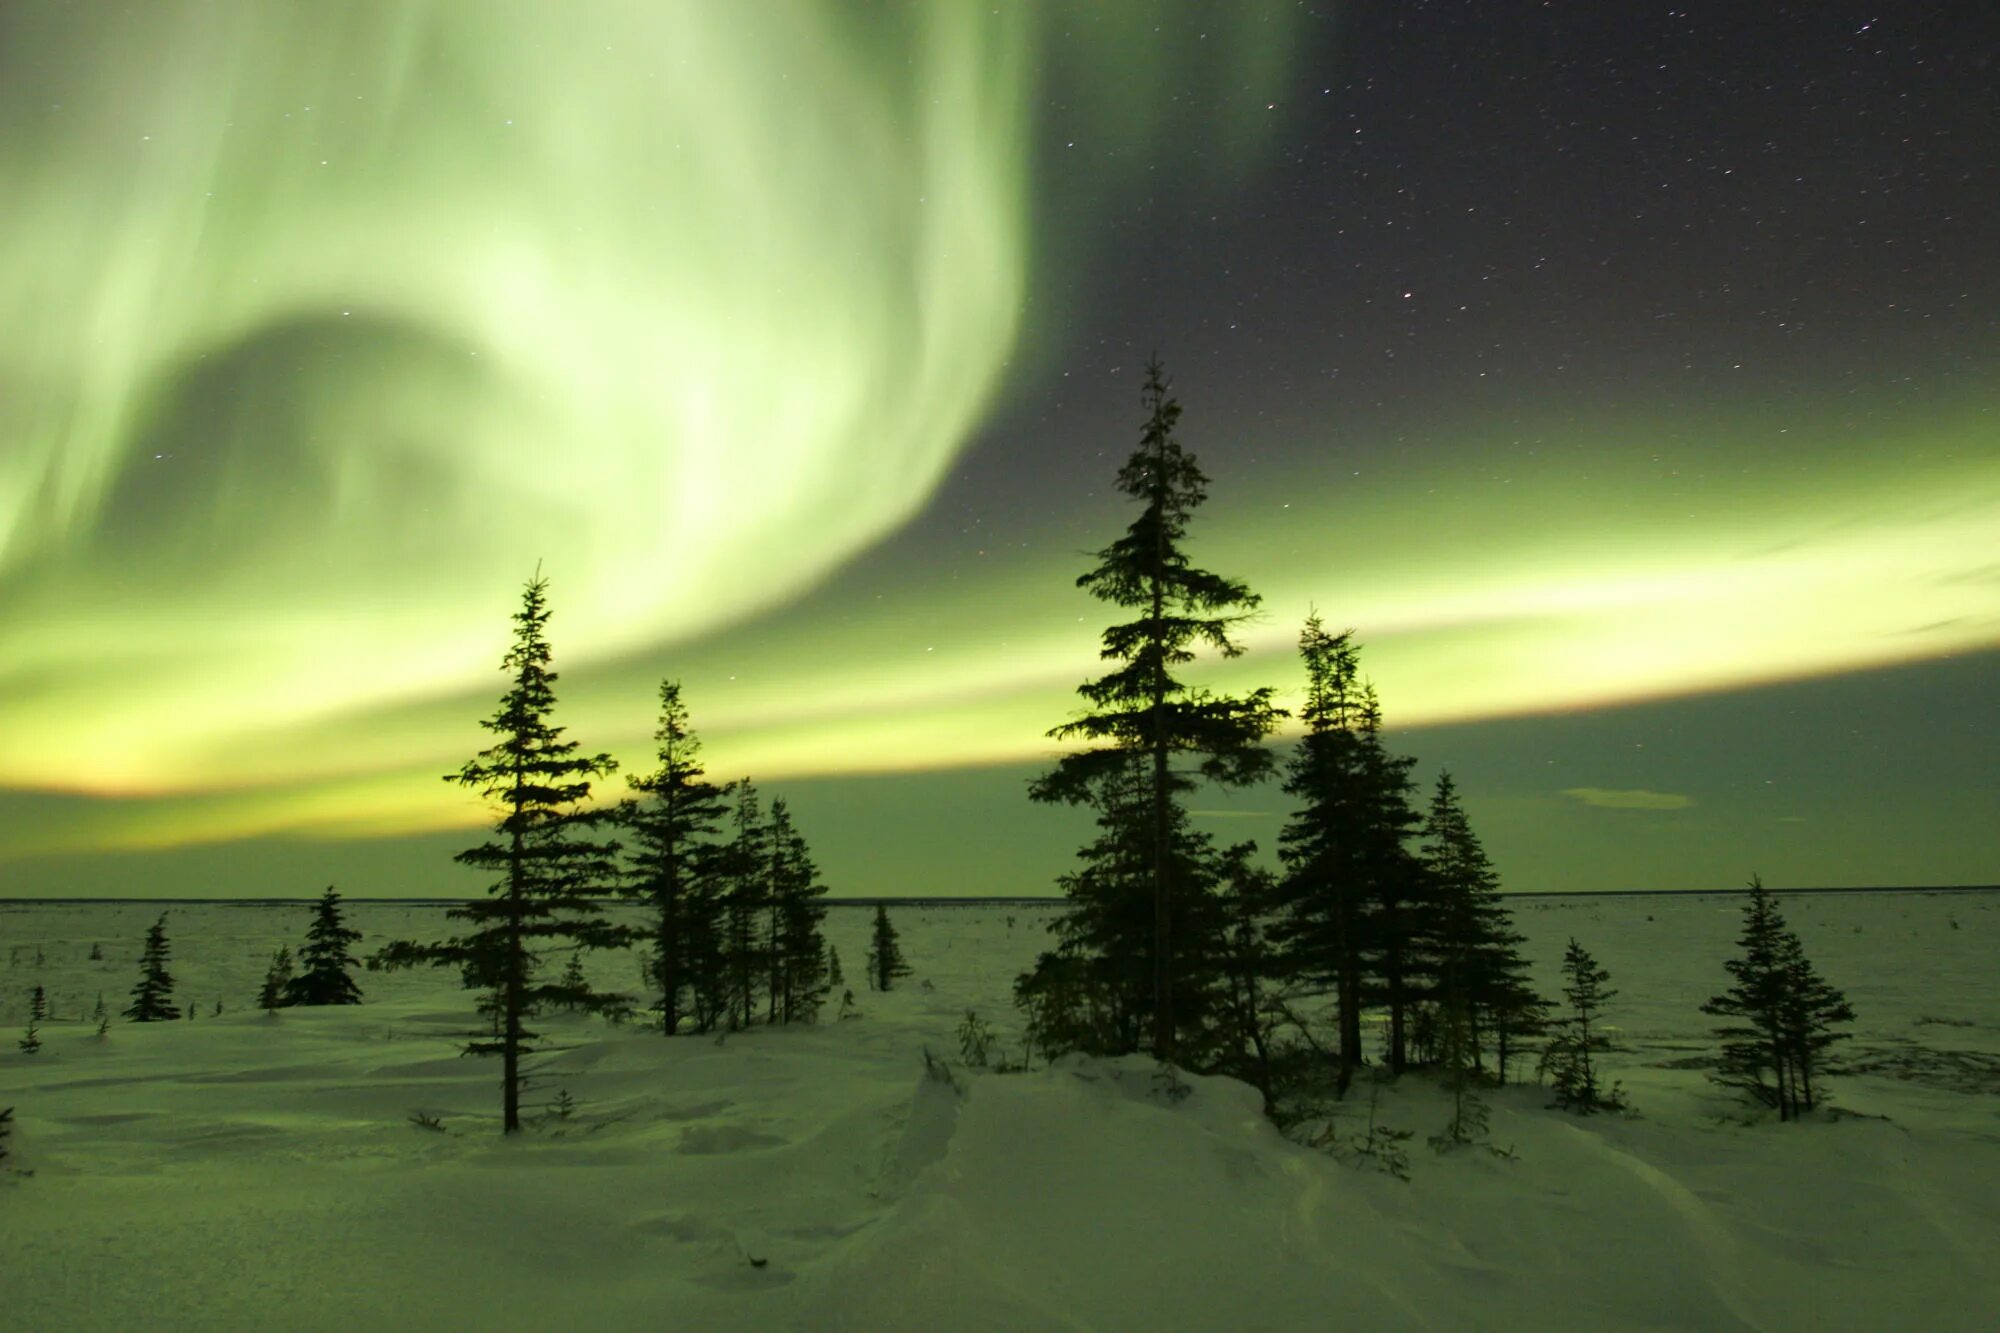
[1785, 1011]
[152, 996]
[38, 1009]
[1250, 1008]
[1094, 991]
[325, 962]
[1348, 910]
[798, 950]
[273, 995]
[672, 836]
[1482, 979]
[1811, 1009]
[1140, 710]
[885, 955]
[742, 866]
[1567, 1058]
[545, 863]
[835, 979]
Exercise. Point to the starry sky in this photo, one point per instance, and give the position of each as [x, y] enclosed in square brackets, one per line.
[1624, 376]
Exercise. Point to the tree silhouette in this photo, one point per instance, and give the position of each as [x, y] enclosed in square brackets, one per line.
[325, 963]
[545, 867]
[152, 997]
[1345, 912]
[1787, 1013]
[1567, 1056]
[1482, 979]
[885, 956]
[277, 978]
[1139, 710]
[672, 837]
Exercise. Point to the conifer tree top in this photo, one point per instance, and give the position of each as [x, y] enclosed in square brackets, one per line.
[1141, 705]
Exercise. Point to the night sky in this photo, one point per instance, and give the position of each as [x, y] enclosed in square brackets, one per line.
[1625, 376]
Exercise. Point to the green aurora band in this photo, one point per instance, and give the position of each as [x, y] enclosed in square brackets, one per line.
[325, 322]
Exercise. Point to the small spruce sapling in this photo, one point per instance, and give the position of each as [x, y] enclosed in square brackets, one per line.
[101, 1018]
[1566, 1059]
[573, 980]
[275, 992]
[38, 1009]
[974, 1037]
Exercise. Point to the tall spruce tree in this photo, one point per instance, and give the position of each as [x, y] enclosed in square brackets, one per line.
[798, 949]
[546, 864]
[672, 833]
[742, 868]
[1140, 710]
[1786, 1013]
[1397, 945]
[1348, 910]
[1481, 977]
[325, 964]
[152, 997]
[885, 956]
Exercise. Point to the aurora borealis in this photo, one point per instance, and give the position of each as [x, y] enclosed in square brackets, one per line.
[1624, 381]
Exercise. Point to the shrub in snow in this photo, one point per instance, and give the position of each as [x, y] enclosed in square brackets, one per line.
[1375, 1144]
[938, 1071]
[974, 1036]
[152, 997]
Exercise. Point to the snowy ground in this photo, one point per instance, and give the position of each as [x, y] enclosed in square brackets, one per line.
[246, 1172]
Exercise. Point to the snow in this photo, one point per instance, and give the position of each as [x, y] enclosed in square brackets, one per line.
[244, 1171]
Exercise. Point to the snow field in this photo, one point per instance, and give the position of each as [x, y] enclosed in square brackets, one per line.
[256, 1172]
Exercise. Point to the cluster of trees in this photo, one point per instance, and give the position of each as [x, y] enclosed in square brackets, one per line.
[1189, 949]
[326, 975]
[1785, 1013]
[735, 920]
[1383, 904]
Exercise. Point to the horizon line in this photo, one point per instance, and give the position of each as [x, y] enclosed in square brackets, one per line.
[990, 900]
